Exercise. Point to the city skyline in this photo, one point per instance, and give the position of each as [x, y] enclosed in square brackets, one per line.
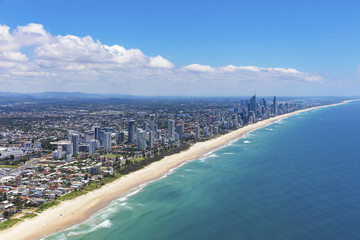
[187, 49]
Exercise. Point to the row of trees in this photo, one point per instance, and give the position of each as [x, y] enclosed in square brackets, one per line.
[132, 166]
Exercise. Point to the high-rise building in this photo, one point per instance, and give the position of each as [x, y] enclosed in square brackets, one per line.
[97, 130]
[75, 142]
[101, 137]
[197, 131]
[120, 137]
[92, 146]
[141, 140]
[107, 142]
[69, 151]
[151, 139]
[152, 123]
[171, 129]
[253, 103]
[275, 106]
[264, 102]
[88, 136]
[131, 132]
[180, 130]
[69, 148]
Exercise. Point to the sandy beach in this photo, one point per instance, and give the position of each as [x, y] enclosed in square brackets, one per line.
[74, 211]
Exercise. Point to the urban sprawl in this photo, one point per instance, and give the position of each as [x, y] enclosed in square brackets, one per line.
[50, 152]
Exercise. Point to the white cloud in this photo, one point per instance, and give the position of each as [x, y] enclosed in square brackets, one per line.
[198, 68]
[31, 34]
[83, 64]
[7, 40]
[161, 62]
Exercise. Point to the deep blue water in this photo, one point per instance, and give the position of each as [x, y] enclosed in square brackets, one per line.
[295, 179]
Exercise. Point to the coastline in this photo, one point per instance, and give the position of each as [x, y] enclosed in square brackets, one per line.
[75, 211]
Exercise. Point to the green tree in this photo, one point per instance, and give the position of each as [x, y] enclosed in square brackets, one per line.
[7, 214]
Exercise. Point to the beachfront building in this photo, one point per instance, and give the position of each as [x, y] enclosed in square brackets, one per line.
[151, 139]
[141, 140]
[131, 131]
[197, 131]
[171, 129]
[275, 106]
[180, 130]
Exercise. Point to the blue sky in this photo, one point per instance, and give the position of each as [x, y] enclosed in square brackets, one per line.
[195, 40]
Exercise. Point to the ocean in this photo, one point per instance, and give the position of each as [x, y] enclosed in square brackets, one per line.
[298, 178]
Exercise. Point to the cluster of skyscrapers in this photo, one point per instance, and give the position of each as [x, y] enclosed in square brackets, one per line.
[147, 136]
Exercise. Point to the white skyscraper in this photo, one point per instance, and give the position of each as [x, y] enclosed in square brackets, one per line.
[69, 149]
[171, 129]
[151, 139]
[197, 131]
[107, 141]
[92, 146]
[141, 140]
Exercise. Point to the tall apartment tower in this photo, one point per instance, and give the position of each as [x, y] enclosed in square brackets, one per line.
[107, 142]
[131, 132]
[152, 123]
[197, 131]
[92, 146]
[275, 106]
[141, 140]
[180, 130]
[97, 130]
[171, 129]
[253, 103]
[151, 139]
[75, 142]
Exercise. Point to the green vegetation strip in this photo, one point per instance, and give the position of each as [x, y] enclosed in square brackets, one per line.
[112, 156]
[47, 205]
[9, 166]
[72, 195]
[9, 223]
[30, 215]
[89, 188]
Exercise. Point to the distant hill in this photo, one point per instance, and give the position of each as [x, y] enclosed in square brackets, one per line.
[21, 97]
[49, 97]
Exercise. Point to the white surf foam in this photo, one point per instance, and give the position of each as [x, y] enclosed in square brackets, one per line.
[213, 156]
[104, 224]
[189, 170]
[247, 141]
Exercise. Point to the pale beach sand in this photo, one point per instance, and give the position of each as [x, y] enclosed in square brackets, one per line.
[75, 211]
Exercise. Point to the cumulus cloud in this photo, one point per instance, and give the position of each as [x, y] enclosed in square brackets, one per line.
[83, 64]
[198, 68]
[31, 34]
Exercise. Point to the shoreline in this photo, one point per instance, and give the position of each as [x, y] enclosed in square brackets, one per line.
[77, 210]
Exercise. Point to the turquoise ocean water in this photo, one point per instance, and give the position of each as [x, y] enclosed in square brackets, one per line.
[298, 178]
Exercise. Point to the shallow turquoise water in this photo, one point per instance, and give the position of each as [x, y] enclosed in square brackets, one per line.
[295, 179]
